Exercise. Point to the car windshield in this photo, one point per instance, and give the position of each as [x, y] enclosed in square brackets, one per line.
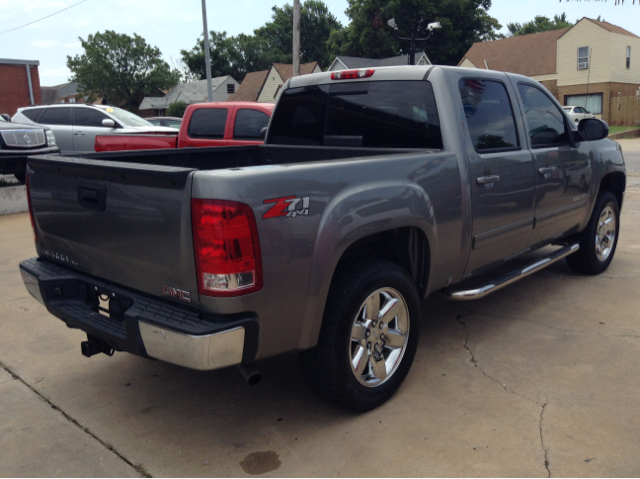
[2, 119]
[127, 118]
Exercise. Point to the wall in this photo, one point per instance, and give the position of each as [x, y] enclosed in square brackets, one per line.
[609, 90]
[270, 88]
[619, 72]
[584, 34]
[14, 87]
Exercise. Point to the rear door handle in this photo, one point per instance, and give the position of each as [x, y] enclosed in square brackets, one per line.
[80, 133]
[487, 180]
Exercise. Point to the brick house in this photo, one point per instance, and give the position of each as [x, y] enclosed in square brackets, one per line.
[593, 64]
[19, 84]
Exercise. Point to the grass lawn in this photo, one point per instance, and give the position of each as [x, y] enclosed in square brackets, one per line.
[619, 129]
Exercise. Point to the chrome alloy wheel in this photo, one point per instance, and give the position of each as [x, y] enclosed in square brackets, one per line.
[605, 233]
[379, 337]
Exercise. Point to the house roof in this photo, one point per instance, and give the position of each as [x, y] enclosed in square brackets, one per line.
[358, 62]
[507, 54]
[192, 92]
[50, 94]
[286, 70]
[250, 87]
[613, 28]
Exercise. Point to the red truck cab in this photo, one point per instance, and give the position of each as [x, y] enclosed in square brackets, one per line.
[203, 125]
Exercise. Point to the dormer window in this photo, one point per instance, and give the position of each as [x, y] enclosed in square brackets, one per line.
[583, 58]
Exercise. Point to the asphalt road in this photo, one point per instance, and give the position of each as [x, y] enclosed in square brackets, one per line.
[538, 379]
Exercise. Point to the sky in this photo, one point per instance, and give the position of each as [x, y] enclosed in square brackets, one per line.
[172, 25]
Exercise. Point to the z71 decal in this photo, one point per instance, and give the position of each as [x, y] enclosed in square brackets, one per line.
[287, 206]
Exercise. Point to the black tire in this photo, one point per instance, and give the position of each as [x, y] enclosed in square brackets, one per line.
[328, 367]
[586, 260]
[21, 177]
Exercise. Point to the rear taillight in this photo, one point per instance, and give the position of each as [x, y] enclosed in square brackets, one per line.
[227, 248]
[352, 74]
[33, 222]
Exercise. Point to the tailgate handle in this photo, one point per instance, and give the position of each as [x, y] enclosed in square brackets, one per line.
[92, 197]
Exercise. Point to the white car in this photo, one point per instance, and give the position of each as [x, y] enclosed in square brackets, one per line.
[76, 125]
[577, 113]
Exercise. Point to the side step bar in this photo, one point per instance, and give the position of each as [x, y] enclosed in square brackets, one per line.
[510, 277]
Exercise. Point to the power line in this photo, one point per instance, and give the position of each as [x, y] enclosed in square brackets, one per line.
[40, 19]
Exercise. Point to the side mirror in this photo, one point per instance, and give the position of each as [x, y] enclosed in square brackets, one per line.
[592, 129]
[109, 123]
[263, 133]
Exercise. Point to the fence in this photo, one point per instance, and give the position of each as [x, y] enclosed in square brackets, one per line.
[624, 111]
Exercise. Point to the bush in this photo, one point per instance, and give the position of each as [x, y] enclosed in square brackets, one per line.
[177, 108]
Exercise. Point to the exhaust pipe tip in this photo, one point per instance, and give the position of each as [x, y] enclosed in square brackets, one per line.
[250, 373]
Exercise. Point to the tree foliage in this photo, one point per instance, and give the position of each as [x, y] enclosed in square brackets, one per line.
[177, 108]
[121, 68]
[273, 42]
[464, 22]
[539, 24]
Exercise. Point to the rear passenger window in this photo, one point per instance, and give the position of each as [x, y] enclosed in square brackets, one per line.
[489, 115]
[208, 123]
[88, 117]
[546, 121]
[56, 116]
[33, 114]
[249, 124]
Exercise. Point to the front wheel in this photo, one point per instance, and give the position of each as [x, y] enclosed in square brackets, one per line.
[369, 335]
[599, 239]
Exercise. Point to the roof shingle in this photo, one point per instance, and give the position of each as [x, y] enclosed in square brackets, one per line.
[250, 87]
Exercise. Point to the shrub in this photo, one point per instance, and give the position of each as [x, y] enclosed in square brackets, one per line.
[177, 108]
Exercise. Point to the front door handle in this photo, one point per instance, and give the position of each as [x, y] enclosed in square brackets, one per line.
[79, 133]
[546, 171]
[487, 180]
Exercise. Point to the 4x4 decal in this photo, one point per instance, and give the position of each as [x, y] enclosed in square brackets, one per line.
[287, 206]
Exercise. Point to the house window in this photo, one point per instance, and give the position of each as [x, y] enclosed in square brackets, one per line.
[231, 88]
[592, 103]
[628, 57]
[583, 58]
[72, 100]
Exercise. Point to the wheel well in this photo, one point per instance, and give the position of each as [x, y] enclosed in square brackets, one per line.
[407, 247]
[615, 183]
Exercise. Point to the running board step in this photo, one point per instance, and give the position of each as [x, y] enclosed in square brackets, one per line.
[510, 277]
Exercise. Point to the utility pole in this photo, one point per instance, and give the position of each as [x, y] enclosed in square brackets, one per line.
[207, 58]
[412, 38]
[296, 38]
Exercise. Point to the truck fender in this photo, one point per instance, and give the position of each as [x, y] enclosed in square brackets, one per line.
[352, 215]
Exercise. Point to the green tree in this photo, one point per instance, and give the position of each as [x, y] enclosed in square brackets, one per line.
[273, 42]
[177, 108]
[464, 22]
[121, 68]
[539, 24]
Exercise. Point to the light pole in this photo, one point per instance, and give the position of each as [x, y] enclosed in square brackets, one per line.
[412, 51]
[296, 38]
[207, 58]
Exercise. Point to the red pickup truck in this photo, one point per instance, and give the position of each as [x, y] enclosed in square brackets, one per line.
[204, 124]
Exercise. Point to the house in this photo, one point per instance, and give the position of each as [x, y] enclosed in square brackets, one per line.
[63, 93]
[264, 86]
[192, 92]
[593, 64]
[19, 84]
[347, 63]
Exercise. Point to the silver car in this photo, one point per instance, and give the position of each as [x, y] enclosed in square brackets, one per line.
[76, 125]
[577, 113]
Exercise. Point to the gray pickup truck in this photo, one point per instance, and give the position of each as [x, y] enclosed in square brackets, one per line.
[374, 189]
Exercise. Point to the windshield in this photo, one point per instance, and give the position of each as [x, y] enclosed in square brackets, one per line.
[127, 118]
[2, 119]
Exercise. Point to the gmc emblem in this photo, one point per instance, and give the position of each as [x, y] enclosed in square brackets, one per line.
[176, 293]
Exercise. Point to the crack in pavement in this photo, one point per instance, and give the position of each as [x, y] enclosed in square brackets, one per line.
[138, 468]
[504, 386]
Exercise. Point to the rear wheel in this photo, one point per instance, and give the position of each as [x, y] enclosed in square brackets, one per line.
[369, 336]
[599, 239]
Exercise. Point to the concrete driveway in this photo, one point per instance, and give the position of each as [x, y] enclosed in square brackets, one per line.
[539, 379]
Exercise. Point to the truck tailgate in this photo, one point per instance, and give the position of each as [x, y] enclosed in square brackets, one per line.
[125, 223]
[135, 142]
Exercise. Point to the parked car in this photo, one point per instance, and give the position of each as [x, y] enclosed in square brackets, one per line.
[76, 125]
[577, 113]
[374, 189]
[17, 142]
[204, 124]
[168, 121]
